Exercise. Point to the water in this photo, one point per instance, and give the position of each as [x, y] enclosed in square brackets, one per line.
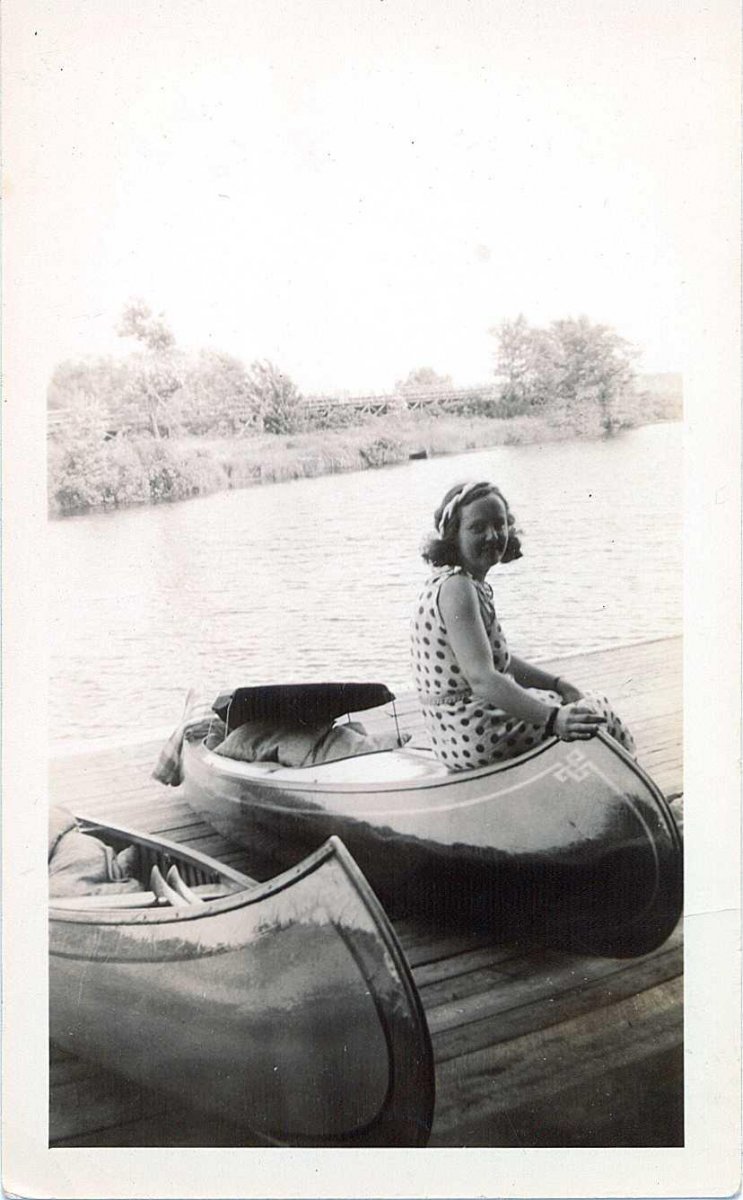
[314, 579]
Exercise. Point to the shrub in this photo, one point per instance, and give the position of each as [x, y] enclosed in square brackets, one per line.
[334, 416]
[382, 452]
[123, 480]
[275, 398]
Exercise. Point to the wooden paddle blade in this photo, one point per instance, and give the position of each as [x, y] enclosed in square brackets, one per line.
[163, 890]
[173, 878]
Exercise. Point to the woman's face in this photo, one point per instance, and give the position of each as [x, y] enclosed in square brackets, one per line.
[483, 535]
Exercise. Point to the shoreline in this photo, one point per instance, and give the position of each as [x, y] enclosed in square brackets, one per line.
[140, 472]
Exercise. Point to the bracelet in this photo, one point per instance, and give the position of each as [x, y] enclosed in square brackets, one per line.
[549, 728]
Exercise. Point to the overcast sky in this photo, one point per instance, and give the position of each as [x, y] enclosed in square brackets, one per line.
[354, 188]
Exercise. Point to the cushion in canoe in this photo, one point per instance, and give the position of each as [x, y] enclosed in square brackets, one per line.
[379, 766]
[266, 743]
[80, 863]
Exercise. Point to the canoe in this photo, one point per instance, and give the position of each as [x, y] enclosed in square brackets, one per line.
[571, 844]
[286, 1008]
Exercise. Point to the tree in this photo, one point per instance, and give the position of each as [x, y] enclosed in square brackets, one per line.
[159, 375]
[78, 383]
[423, 379]
[525, 365]
[161, 387]
[138, 321]
[152, 382]
[77, 459]
[217, 395]
[594, 368]
[278, 404]
[581, 370]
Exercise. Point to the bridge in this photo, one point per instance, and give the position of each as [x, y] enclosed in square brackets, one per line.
[447, 399]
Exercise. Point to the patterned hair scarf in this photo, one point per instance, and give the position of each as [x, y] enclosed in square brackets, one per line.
[456, 502]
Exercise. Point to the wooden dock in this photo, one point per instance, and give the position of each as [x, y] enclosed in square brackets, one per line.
[533, 1048]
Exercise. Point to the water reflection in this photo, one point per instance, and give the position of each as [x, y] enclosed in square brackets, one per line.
[315, 578]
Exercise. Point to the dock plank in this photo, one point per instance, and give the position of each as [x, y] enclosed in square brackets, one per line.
[580, 1053]
[462, 963]
[541, 998]
[532, 1047]
[520, 982]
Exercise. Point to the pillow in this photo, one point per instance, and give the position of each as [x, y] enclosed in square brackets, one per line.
[350, 740]
[81, 864]
[263, 741]
[260, 741]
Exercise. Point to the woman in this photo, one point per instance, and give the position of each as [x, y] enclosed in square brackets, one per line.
[481, 704]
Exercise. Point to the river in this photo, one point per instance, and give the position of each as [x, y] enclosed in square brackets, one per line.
[315, 578]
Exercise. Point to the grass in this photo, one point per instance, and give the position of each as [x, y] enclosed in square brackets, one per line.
[90, 475]
[380, 442]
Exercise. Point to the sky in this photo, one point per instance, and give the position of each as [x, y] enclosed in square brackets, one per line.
[357, 188]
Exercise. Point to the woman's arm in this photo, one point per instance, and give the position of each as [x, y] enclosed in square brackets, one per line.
[529, 675]
[460, 610]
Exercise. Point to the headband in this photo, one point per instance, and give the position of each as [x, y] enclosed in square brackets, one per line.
[456, 501]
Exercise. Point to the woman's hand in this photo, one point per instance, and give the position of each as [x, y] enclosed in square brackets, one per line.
[577, 722]
[530, 676]
[568, 692]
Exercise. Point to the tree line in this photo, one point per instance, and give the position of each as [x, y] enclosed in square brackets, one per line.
[172, 390]
[572, 369]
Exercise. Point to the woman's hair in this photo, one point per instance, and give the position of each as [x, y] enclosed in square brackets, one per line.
[440, 548]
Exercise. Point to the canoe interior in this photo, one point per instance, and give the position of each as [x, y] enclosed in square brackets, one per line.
[207, 876]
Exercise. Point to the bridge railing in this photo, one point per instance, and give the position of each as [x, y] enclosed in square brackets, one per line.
[242, 413]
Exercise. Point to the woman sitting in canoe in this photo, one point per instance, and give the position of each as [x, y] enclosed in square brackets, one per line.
[481, 704]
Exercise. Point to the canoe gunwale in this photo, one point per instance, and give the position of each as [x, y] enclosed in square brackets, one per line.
[253, 892]
[240, 771]
[94, 825]
[236, 770]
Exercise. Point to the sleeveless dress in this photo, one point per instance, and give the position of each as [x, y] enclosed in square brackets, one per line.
[467, 731]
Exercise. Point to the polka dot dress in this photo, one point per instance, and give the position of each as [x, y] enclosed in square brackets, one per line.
[466, 731]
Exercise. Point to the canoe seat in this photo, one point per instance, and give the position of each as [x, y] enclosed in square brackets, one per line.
[203, 893]
[106, 901]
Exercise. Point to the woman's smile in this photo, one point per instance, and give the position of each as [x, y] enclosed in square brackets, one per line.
[483, 534]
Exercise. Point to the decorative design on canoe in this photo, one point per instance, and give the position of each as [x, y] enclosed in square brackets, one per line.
[576, 767]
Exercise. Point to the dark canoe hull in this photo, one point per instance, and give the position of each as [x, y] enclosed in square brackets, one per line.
[287, 1010]
[571, 843]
